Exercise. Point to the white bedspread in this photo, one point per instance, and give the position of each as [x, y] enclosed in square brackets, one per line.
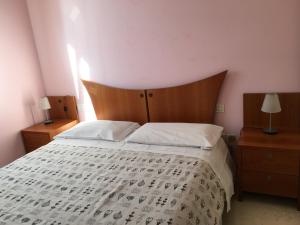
[218, 157]
[82, 182]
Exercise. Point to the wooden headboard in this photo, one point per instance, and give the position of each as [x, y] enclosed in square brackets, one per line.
[287, 119]
[194, 102]
[117, 104]
[63, 107]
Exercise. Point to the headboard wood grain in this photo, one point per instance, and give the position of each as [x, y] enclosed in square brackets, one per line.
[194, 102]
[116, 103]
[63, 107]
[287, 119]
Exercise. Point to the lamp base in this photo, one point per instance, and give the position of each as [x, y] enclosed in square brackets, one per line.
[48, 122]
[270, 131]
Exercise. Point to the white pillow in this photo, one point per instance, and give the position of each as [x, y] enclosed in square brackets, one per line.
[100, 130]
[177, 134]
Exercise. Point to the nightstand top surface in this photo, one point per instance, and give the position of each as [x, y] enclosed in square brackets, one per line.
[255, 137]
[57, 124]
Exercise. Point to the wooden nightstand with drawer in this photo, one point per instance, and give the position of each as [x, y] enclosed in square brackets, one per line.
[41, 134]
[269, 164]
[64, 114]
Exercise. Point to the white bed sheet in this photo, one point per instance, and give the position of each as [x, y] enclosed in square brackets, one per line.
[218, 157]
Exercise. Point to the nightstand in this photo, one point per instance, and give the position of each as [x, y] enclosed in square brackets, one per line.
[269, 164]
[41, 134]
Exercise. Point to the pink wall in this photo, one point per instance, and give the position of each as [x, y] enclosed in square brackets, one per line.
[155, 43]
[21, 81]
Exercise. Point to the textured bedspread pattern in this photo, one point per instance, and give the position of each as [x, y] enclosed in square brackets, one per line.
[60, 185]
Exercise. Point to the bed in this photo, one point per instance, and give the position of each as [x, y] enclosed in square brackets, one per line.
[87, 181]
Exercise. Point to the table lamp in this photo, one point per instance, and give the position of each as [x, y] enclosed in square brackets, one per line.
[271, 105]
[45, 105]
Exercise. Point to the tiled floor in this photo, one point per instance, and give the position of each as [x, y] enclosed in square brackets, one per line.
[263, 210]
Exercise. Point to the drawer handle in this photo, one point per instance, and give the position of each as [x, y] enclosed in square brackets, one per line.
[269, 178]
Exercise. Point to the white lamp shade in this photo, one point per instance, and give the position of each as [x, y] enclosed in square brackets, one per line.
[271, 103]
[44, 103]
